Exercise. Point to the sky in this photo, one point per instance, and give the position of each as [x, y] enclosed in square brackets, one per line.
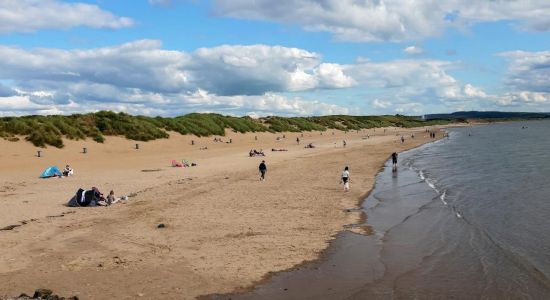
[264, 57]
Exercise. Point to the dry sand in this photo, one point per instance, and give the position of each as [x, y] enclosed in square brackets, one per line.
[225, 229]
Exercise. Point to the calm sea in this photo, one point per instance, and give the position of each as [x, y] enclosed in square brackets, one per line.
[467, 217]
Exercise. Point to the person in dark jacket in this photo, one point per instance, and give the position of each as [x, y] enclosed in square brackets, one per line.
[263, 169]
[394, 160]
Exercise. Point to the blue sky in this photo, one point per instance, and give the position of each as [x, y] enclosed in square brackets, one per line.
[245, 57]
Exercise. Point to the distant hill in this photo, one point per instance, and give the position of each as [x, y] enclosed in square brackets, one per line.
[465, 115]
[50, 130]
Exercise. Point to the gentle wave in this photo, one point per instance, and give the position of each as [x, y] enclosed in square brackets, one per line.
[443, 196]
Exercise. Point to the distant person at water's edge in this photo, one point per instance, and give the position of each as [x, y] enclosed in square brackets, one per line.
[263, 169]
[345, 178]
[394, 159]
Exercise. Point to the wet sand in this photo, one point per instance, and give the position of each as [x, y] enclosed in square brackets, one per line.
[225, 230]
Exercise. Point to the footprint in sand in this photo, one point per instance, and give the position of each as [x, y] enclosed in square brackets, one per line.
[7, 188]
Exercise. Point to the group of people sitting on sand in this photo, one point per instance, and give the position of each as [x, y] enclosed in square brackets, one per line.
[93, 197]
[254, 152]
[184, 164]
[219, 140]
[310, 145]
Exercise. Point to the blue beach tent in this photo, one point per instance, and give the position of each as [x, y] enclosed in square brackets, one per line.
[51, 172]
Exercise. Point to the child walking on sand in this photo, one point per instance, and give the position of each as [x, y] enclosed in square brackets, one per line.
[345, 179]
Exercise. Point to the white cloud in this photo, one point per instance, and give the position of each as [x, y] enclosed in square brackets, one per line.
[254, 70]
[413, 50]
[529, 71]
[140, 76]
[410, 108]
[522, 98]
[33, 15]
[158, 104]
[230, 78]
[266, 104]
[527, 80]
[224, 70]
[407, 79]
[377, 103]
[389, 20]
[473, 92]
[333, 76]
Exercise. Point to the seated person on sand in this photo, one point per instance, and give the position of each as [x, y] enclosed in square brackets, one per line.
[256, 153]
[310, 145]
[111, 199]
[98, 199]
[102, 201]
[68, 171]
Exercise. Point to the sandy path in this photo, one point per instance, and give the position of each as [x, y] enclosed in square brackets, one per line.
[225, 229]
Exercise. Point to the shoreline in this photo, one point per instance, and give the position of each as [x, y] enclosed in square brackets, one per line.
[277, 249]
[323, 255]
[417, 231]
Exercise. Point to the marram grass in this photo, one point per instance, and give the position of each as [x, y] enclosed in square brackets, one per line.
[51, 130]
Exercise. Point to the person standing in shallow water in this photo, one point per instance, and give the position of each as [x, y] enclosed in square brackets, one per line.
[263, 170]
[345, 179]
[394, 160]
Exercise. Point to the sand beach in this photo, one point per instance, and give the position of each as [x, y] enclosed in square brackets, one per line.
[224, 230]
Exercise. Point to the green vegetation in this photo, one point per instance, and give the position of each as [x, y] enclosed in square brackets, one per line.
[50, 130]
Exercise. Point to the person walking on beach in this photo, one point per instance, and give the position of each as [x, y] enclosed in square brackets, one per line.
[402, 139]
[345, 179]
[263, 169]
[298, 140]
[344, 143]
[394, 160]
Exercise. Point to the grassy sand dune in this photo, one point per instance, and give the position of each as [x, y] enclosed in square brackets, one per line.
[50, 130]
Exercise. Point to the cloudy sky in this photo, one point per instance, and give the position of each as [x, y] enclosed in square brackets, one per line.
[264, 57]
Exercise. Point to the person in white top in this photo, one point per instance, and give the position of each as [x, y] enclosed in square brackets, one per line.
[346, 179]
[68, 171]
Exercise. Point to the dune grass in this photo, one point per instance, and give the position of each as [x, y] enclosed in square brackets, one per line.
[51, 130]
